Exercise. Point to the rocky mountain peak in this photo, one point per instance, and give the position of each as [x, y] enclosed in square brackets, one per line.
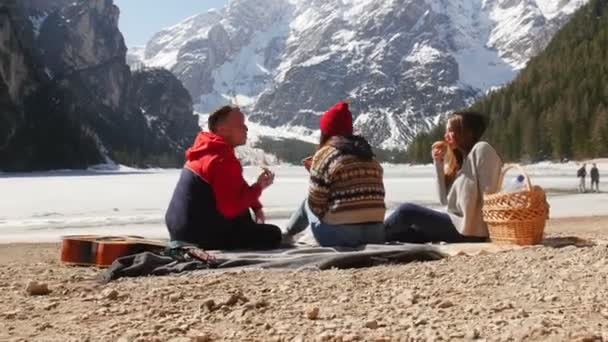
[69, 100]
[401, 64]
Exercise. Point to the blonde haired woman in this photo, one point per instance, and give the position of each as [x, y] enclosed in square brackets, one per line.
[466, 169]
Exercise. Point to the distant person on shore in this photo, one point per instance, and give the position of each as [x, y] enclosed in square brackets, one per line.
[345, 203]
[595, 178]
[466, 169]
[581, 174]
[211, 203]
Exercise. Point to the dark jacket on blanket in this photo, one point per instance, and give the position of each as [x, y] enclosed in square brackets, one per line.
[346, 185]
[147, 263]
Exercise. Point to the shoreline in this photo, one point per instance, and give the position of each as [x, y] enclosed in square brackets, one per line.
[158, 231]
[558, 224]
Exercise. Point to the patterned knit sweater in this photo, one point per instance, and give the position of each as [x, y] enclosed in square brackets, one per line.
[346, 184]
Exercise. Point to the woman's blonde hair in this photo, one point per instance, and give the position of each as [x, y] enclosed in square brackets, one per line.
[468, 127]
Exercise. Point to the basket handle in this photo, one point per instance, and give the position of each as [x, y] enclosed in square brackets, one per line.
[518, 167]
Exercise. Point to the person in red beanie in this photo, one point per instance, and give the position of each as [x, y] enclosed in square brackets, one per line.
[211, 203]
[338, 120]
[345, 203]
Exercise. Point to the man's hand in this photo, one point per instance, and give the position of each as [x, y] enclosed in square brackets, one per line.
[265, 179]
[260, 217]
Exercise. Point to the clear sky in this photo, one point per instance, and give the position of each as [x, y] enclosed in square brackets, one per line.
[140, 19]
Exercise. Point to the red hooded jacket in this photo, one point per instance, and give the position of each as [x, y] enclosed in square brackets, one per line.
[212, 159]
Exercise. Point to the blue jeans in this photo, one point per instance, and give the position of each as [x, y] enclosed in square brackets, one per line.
[327, 235]
[417, 224]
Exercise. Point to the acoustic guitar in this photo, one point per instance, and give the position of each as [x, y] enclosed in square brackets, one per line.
[101, 251]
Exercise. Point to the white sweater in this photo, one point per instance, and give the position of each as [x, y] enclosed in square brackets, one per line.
[479, 174]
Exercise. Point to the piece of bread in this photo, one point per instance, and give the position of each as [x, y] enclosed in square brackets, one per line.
[440, 144]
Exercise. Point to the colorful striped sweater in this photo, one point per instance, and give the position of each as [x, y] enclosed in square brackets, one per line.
[346, 185]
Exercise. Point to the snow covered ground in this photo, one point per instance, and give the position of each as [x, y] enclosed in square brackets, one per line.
[39, 207]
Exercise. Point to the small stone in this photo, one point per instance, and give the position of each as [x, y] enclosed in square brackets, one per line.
[500, 322]
[232, 300]
[110, 294]
[34, 288]
[146, 333]
[445, 304]
[546, 323]
[457, 334]
[174, 298]
[209, 304]
[326, 336]
[129, 336]
[500, 307]
[242, 298]
[44, 326]
[50, 306]
[587, 338]
[180, 339]
[408, 298]
[235, 298]
[202, 338]
[472, 334]
[420, 321]
[261, 304]
[11, 314]
[373, 324]
[175, 330]
[313, 313]
[551, 298]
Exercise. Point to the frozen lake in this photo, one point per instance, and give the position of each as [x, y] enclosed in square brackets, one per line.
[43, 206]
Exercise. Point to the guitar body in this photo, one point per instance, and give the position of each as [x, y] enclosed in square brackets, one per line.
[78, 250]
[101, 251]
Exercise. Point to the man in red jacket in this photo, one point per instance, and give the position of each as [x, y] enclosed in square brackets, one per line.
[211, 203]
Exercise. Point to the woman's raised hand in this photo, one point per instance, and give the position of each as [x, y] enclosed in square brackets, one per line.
[439, 150]
[307, 162]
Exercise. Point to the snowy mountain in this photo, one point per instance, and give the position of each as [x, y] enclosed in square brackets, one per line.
[400, 63]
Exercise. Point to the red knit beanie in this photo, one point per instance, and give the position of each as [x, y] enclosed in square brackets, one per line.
[337, 121]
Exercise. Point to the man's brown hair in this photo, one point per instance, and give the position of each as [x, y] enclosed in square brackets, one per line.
[219, 116]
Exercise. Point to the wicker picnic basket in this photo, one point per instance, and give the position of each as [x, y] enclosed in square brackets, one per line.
[516, 217]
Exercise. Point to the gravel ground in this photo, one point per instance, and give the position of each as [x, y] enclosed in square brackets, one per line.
[537, 294]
